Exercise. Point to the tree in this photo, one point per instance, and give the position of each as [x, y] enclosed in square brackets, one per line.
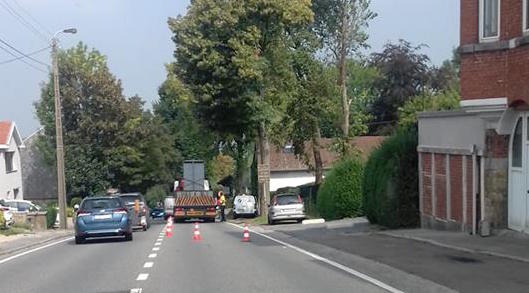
[404, 73]
[446, 77]
[309, 106]
[341, 25]
[445, 100]
[233, 56]
[108, 139]
[176, 110]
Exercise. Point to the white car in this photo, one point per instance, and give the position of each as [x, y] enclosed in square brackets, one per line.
[8, 216]
[244, 205]
[20, 205]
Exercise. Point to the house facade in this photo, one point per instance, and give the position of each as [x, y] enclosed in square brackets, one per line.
[10, 167]
[287, 170]
[474, 162]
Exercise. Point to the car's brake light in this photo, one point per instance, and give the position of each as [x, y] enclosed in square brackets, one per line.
[121, 211]
[81, 213]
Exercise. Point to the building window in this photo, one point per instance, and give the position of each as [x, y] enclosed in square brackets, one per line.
[516, 151]
[526, 16]
[489, 14]
[10, 167]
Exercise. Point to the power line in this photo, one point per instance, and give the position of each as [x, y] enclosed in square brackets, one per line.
[22, 20]
[27, 63]
[32, 18]
[22, 53]
[28, 54]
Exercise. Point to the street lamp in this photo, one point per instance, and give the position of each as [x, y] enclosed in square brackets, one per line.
[61, 182]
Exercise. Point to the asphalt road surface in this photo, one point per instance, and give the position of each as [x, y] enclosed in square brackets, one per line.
[219, 262]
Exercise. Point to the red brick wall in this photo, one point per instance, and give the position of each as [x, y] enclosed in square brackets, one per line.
[483, 75]
[494, 74]
[469, 22]
[427, 182]
[511, 19]
[456, 188]
[440, 186]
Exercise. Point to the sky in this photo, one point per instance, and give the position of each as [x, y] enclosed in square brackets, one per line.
[134, 36]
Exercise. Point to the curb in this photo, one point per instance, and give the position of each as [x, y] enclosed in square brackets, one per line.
[458, 248]
[25, 247]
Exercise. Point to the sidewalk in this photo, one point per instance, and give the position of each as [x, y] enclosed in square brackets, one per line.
[15, 243]
[507, 244]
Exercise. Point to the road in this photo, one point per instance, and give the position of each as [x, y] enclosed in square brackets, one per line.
[220, 262]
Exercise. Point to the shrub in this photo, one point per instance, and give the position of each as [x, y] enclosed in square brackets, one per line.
[391, 196]
[51, 215]
[340, 195]
[75, 200]
[155, 195]
[2, 221]
[69, 212]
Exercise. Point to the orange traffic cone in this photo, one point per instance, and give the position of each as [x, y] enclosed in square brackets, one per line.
[168, 231]
[246, 234]
[196, 234]
[169, 227]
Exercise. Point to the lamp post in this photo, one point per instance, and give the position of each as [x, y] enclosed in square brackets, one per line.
[61, 182]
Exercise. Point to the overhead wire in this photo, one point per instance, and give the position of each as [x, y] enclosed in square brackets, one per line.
[22, 53]
[27, 63]
[25, 11]
[28, 54]
[22, 20]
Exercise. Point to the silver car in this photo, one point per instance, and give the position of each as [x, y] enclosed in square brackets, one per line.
[286, 207]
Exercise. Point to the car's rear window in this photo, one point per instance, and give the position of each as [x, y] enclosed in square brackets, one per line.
[287, 199]
[242, 199]
[130, 199]
[101, 203]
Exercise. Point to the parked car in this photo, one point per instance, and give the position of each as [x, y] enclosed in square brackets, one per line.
[286, 207]
[8, 216]
[244, 205]
[20, 205]
[102, 217]
[140, 212]
[157, 213]
[168, 205]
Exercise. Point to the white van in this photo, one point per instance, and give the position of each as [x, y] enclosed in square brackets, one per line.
[244, 205]
[168, 206]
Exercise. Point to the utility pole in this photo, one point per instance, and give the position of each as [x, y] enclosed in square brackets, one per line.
[61, 181]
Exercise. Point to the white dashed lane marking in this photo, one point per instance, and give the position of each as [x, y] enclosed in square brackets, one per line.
[148, 264]
[152, 255]
[157, 243]
[142, 277]
[136, 290]
[155, 248]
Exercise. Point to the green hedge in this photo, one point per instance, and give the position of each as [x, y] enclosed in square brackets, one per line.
[340, 194]
[51, 215]
[391, 195]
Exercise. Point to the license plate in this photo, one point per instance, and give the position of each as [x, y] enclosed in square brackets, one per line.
[102, 217]
[194, 213]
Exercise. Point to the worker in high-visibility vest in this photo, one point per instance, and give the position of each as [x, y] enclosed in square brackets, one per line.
[222, 201]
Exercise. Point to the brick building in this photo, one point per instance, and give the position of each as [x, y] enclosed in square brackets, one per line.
[474, 162]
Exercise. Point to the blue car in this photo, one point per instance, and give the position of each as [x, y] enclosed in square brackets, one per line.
[157, 213]
[102, 217]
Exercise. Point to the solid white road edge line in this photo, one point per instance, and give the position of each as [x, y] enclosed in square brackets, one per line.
[142, 277]
[329, 262]
[34, 249]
